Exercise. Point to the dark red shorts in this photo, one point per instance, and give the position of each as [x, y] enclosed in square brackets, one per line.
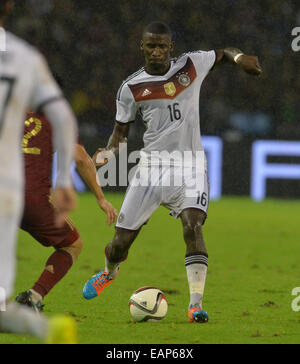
[38, 221]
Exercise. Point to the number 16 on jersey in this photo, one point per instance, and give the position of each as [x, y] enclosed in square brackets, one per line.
[202, 199]
[174, 110]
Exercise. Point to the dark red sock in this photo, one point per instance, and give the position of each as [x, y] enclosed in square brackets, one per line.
[61, 261]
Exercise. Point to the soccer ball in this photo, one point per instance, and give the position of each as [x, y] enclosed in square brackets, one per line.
[148, 304]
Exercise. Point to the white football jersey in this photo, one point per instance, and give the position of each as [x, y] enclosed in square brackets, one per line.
[25, 83]
[169, 106]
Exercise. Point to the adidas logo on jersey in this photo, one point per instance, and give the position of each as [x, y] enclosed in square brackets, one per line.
[146, 93]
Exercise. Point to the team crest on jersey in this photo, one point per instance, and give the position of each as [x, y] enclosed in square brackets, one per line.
[170, 89]
[184, 80]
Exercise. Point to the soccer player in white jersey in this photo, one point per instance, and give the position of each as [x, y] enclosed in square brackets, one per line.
[166, 93]
[26, 82]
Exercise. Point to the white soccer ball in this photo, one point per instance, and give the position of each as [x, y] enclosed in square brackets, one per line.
[148, 304]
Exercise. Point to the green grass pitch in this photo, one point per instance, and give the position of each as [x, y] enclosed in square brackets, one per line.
[254, 266]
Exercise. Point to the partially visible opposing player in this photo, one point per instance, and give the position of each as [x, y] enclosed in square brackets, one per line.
[166, 93]
[40, 213]
[26, 82]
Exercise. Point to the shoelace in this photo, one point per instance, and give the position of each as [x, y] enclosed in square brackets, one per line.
[99, 280]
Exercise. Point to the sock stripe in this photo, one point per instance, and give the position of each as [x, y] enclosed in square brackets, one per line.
[196, 259]
[199, 262]
[193, 259]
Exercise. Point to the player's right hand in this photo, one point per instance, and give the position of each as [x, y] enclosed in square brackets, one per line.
[64, 200]
[250, 64]
[101, 157]
[111, 212]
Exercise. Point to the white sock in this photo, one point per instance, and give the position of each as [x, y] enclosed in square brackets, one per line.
[21, 320]
[111, 268]
[196, 267]
[36, 297]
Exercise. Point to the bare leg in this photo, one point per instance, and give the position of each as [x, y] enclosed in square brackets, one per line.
[117, 250]
[192, 221]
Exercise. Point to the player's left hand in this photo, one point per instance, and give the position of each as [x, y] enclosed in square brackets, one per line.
[111, 212]
[64, 200]
[250, 64]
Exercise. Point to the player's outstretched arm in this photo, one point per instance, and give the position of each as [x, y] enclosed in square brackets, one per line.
[88, 172]
[47, 97]
[64, 129]
[119, 136]
[250, 64]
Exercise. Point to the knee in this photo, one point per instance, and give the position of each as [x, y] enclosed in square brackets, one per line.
[75, 249]
[191, 230]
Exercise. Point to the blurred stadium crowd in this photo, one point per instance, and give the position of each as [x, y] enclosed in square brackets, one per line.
[93, 45]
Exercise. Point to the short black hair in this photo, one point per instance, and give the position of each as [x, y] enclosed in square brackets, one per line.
[157, 27]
